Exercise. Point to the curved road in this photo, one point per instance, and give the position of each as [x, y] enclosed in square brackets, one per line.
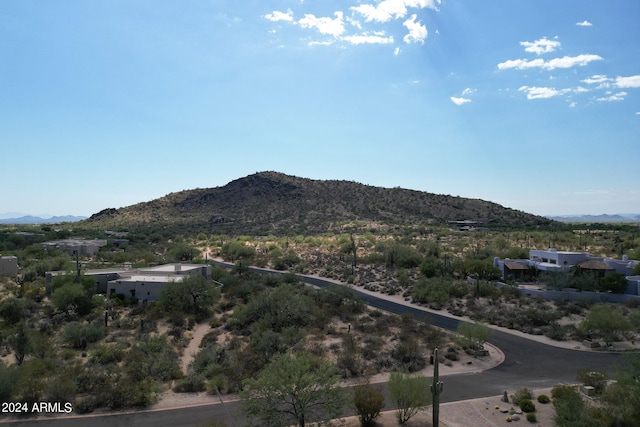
[527, 363]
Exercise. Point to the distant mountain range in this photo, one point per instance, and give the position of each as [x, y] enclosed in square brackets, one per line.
[597, 218]
[28, 219]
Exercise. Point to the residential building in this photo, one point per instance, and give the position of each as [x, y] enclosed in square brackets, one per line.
[82, 247]
[554, 260]
[144, 284]
[8, 265]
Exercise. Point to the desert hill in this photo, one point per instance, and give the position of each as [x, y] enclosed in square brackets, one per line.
[272, 202]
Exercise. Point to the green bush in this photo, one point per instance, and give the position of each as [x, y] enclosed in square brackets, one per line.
[595, 379]
[192, 383]
[527, 406]
[368, 401]
[105, 354]
[520, 394]
[543, 398]
[532, 418]
[78, 335]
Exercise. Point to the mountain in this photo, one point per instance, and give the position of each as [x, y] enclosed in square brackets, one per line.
[597, 218]
[271, 202]
[28, 219]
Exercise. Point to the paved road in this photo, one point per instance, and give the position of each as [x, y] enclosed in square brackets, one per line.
[527, 364]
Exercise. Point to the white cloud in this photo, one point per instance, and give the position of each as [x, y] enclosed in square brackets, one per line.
[459, 101]
[552, 64]
[544, 45]
[598, 78]
[613, 97]
[584, 23]
[396, 51]
[368, 39]
[320, 43]
[573, 104]
[571, 61]
[417, 31]
[280, 16]
[325, 25]
[468, 91]
[539, 92]
[354, 22]
[625, 82]
[386, 10]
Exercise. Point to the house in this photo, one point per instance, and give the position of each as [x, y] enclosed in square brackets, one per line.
[145, 284]
[8, 265]
[554, 260]
[81, 247]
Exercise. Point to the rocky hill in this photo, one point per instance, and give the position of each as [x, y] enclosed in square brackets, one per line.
[271, 202]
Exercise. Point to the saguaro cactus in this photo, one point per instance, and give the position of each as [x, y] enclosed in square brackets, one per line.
[436, 389]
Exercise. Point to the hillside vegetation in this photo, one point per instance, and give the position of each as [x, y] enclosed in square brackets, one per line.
[271, 202]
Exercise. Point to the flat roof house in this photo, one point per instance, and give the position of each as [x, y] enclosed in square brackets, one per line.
[83, 247]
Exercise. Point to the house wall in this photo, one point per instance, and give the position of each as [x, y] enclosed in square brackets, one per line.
[8, 265]
[576, 296]
[559, 258]
[633, 285]
[143, 288]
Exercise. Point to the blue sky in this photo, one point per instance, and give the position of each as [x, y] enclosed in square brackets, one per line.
[533, 104]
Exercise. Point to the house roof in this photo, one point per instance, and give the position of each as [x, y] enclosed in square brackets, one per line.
[515, 266]
[594, 265]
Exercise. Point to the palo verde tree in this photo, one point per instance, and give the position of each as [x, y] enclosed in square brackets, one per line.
[474, 335]
[293, 389]
[194, 295]
[368, 401]
[409, 394]
[622, 397]
[606, 321]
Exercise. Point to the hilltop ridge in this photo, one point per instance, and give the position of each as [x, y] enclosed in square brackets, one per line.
[272, 202]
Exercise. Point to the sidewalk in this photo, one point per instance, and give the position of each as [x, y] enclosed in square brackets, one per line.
[480, 412]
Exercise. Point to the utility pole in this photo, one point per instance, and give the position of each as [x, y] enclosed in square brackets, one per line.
[436, 389]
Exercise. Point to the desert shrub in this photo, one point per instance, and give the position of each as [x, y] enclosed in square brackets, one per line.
[527, 405]
[520, 394]
[8, 379]
[192, 383]
[408, 355]
[532, 418]
[286, 261]
[368, 401]
[543, 398]
[570, 408]
[432, 291]
[13, 309]
[402, 256]
[556, 331]
[77, 334]
[237, 250]
[105, 354]
[73, 298]
[595, 379]
[152, 358]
